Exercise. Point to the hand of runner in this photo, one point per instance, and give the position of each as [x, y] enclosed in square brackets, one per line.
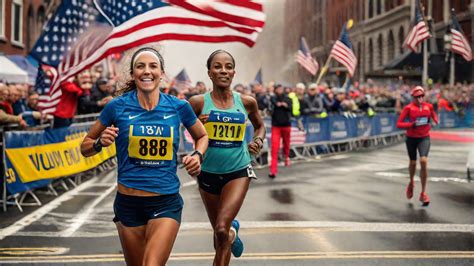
[192, 165]
[203, 118]
[108, 136]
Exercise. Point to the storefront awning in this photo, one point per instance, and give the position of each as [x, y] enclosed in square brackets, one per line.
[25, 65]
[10, 72]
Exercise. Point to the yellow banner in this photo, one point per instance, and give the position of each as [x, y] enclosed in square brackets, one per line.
[54, 160]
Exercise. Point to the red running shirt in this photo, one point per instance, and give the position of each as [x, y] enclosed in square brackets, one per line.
[418, 125]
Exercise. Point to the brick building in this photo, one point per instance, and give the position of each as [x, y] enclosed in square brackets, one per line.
[21, 22]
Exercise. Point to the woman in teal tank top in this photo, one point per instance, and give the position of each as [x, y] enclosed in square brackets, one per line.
[226, 170]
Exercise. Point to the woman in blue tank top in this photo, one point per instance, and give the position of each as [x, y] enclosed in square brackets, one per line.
[144, 125]
[226, 169]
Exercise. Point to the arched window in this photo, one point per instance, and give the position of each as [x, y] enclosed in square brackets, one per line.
[371, 55]
[401, 39]
[371, 8]
[390, 46]
[40, 19]
[30, 22]
[380, 50]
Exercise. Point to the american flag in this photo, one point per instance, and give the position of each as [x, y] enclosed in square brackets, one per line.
[304, 58]
[419, 32]
[342, 52]
[459, 43]
[297, 137]
[44, 78]
[83, 32]
[182, 81]
[258, 77]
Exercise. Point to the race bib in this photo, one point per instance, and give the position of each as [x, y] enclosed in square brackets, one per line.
[225, 129]
[421, 121]
[150, 145]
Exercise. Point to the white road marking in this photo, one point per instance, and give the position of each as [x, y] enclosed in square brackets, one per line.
[417, 178]
[344, 226]
[37, 214]
[83, 215]
[290, 226]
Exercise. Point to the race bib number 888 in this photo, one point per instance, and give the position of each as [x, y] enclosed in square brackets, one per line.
[150, 143]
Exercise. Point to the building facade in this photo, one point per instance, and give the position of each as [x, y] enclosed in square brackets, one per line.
[21, 22]
[380, 28]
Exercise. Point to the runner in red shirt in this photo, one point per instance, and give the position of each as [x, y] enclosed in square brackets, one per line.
[416, 118]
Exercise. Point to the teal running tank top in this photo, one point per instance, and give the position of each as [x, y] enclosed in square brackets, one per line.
[227, 151]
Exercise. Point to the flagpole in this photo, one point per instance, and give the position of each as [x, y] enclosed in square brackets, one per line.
[451, 69]
[424, 77]
[323, 70]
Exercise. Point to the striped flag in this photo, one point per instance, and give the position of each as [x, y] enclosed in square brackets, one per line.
[419, 32]
[83, 32]
[342, 52]
[304, 58]
[459, 43]
[258, 77]
[297, 137]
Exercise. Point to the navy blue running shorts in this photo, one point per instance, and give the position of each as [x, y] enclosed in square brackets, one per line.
[422, 145]
[214, 183]
[136, 211]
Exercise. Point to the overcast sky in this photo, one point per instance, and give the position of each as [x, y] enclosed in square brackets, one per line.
[267, 52]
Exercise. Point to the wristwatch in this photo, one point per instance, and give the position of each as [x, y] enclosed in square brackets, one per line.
[97, 145]
[199, 154]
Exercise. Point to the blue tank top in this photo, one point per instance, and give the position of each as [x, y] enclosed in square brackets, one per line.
[227, 151]
[148, 140]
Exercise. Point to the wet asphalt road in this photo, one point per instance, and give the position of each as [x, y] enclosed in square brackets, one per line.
[348, 209]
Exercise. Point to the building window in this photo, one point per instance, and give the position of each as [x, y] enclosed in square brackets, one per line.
[2, 18]
[371, 55]
[371, 8]
[391, 46]
[380, 50]
[379, 7]
[17, 22]
[401, 39]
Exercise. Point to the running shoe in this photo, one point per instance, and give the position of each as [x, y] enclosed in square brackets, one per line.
[237, 247]
[287, 162]
[271, 176]
[410, 187]
[425, 200]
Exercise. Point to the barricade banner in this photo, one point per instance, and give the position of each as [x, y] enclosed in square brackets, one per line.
[317, 129]
[35, 158]
[338, 127]
[448, 120]
[384, 124]
[363, 126]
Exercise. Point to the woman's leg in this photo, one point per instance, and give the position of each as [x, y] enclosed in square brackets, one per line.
[423, 172]
[211, 202]
[232, 198]
[133, 243]
[160, 236]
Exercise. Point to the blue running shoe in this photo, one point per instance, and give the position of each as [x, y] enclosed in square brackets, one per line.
[237, 247]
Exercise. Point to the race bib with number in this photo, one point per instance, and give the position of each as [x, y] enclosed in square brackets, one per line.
[225, 129]
[421, 121]
[150, 145]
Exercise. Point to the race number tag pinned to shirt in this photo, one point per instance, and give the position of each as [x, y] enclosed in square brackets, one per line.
[421, 121]
[150, 145]
[225, 129]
